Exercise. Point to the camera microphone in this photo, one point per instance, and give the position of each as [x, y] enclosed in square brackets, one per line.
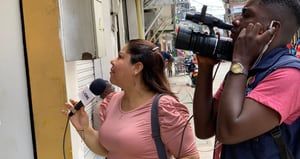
[97, 87]
[207, 19]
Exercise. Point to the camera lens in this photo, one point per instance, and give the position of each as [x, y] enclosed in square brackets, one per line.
[203, 44]
[199, 43]
[183, 39]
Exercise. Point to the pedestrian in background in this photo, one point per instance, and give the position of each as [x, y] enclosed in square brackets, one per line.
[169, 64]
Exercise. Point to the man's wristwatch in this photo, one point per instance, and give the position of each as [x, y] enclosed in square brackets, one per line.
[238, 68]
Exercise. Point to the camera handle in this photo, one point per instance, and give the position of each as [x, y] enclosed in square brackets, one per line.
[208, 20]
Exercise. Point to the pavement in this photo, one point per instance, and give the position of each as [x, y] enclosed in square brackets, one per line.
[181, 85]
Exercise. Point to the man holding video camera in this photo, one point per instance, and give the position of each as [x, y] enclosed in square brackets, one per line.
[252, 101]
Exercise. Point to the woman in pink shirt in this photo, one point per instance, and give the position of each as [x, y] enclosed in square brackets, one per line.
[125, 131]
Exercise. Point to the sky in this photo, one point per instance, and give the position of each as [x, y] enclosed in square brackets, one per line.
[214, 7]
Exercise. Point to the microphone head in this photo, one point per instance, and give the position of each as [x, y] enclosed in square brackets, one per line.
[98, 86]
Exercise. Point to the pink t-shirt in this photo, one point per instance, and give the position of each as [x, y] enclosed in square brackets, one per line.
[127, 135]
[279, 91]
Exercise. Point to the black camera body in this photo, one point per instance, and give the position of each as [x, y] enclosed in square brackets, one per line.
[208, 45]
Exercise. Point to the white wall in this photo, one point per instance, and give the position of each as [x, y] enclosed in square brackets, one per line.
[110, 39]
[132, 19]
[15, 130]
[105, 38]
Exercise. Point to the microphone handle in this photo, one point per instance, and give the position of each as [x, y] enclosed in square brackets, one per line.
[77, 107]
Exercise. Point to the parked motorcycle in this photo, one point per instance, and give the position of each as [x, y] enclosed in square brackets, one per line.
[194, 75]
[188, 64]
[191, 69]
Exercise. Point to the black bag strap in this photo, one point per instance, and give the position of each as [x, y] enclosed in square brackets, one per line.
[285, 152]
[156, 129]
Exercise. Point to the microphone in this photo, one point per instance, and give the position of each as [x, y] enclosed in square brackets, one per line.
[96, 88]
[207, 19]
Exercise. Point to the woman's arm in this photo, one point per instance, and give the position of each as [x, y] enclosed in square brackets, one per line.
[91, 139]
[194, 156]
[80, 121]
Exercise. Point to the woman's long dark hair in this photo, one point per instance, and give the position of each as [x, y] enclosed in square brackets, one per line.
[153, 73]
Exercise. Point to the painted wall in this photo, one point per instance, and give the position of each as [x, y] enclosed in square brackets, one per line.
[16, 137]
[47, 77]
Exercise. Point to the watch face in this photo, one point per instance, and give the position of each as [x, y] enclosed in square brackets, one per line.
[236, 68]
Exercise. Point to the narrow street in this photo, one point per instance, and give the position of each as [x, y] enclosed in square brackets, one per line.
[180, 84]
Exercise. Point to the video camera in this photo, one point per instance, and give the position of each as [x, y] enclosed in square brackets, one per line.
[205, 44]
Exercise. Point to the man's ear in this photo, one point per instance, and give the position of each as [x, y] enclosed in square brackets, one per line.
[275, 24]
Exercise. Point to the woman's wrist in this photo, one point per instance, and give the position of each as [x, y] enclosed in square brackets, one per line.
[82, 132]
[83, 129]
